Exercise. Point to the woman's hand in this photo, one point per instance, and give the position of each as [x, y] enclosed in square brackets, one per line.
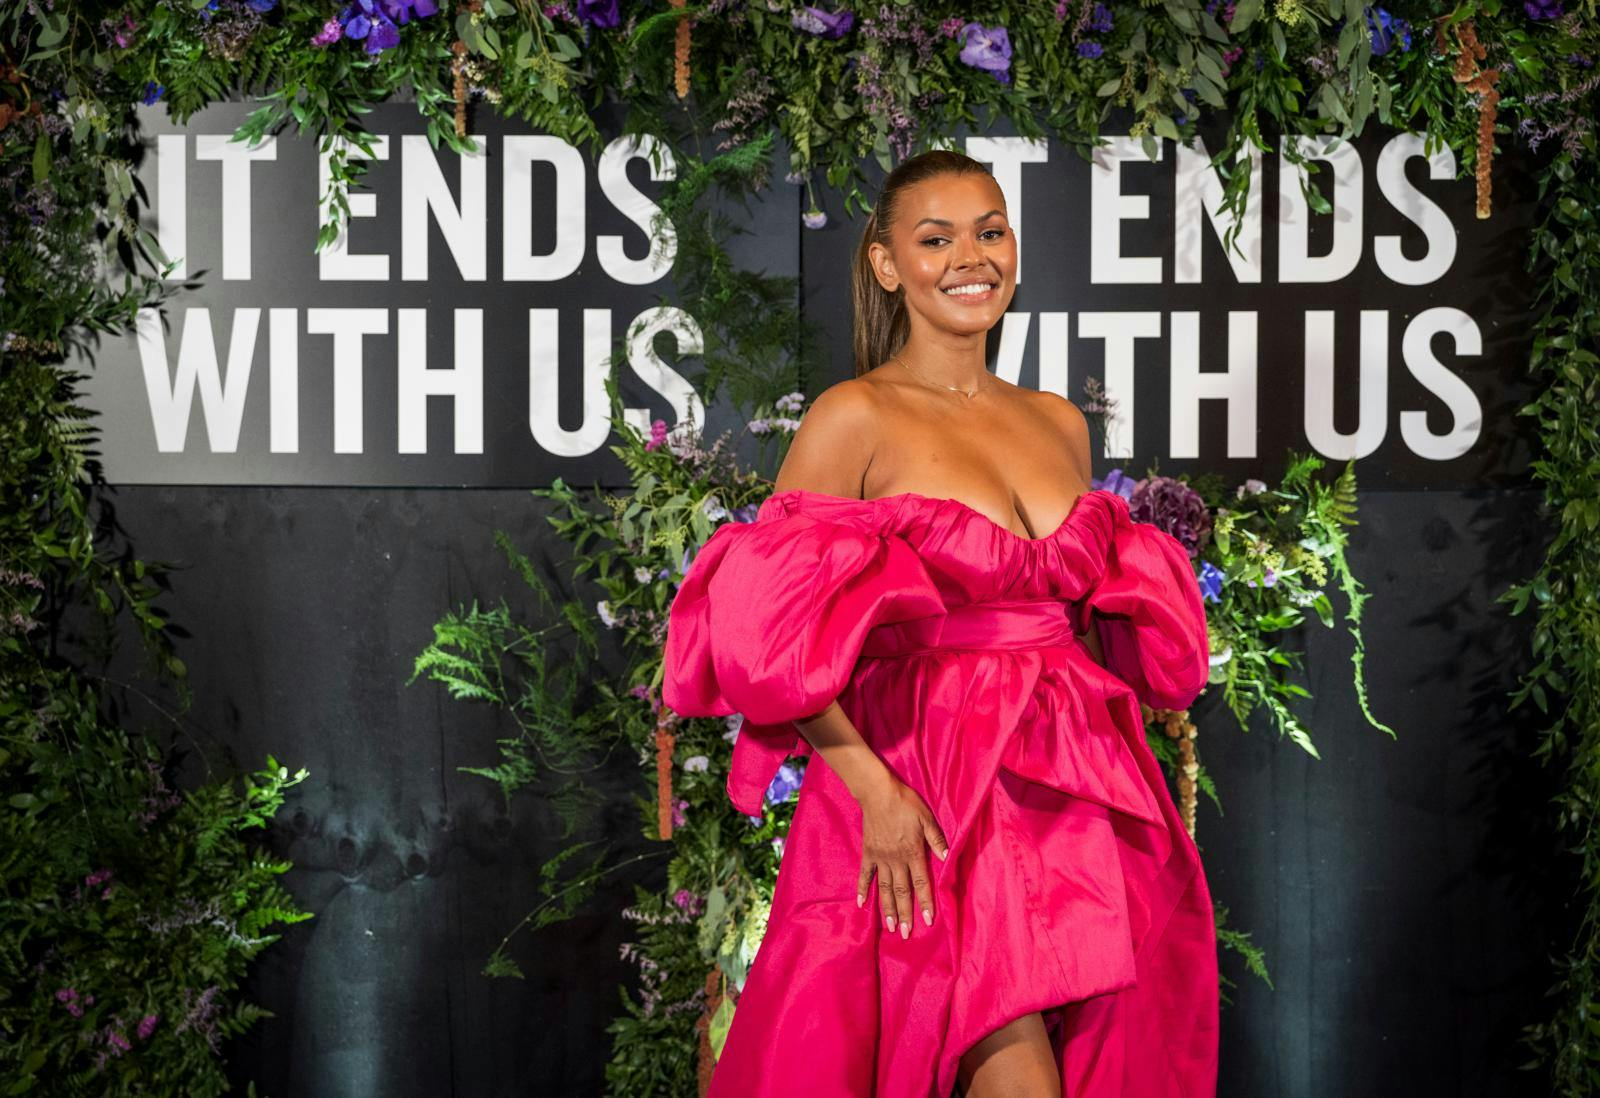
[896, 827]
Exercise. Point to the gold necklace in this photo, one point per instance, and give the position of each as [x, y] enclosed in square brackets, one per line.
[989, 379]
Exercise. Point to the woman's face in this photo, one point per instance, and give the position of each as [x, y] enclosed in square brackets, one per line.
[951, 231]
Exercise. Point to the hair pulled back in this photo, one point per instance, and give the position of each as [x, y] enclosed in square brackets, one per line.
[881, 323]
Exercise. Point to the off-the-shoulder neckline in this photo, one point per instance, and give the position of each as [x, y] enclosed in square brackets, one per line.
[960, 504]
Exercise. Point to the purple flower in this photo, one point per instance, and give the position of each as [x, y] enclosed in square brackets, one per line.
[951, 26]
[987, 48]
[823, 24]
[261, 7]
[814, 219]
[784, 783]
[401, 11]
[1210, 582]
[1089, 48]
[1173, 506]
[658, 433]
[1116, 481]
[330, 33]
[147, 1026]
[600, 13]
[1542, 9]
[1100, 19]
[152, 92]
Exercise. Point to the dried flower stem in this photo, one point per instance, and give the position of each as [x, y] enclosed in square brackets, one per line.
[680, 65]
[703, 1024]
[1481, 81]
[665, 741]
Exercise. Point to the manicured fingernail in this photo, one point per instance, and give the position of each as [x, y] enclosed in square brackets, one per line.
[888, 922]
[943, 855]
[860, 900]
[927, 917]
[905, 930]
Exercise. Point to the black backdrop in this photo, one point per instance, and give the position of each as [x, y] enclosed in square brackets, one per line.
[1405, 891]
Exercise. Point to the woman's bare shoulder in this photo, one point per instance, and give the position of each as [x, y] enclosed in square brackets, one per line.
[835, 442]
[1069, 420]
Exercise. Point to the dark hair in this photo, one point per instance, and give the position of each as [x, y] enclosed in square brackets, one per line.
[881, 324]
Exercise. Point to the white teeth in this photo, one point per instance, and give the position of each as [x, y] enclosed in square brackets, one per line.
[970, 288]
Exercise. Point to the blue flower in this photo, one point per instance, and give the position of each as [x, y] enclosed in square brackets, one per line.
[1100, 19]
[784, 783]
[152, 92]
[1542, 9]
[261, 6]
[1088, 48]
[1210, 582]
[824, 24]
[1386, 30]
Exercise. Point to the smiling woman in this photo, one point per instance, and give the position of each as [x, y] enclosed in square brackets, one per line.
[936, 608]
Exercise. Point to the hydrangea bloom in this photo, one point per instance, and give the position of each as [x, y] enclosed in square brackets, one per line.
[1172, 506]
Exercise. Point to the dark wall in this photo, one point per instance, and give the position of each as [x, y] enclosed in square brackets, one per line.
[1403, 890]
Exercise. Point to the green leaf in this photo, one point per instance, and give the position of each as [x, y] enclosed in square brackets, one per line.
[41, 157]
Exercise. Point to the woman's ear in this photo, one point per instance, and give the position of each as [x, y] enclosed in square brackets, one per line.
[883, 266]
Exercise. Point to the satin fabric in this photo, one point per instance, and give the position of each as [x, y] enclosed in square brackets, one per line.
[1071, 885]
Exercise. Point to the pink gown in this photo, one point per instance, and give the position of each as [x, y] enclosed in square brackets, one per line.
[1071, 885]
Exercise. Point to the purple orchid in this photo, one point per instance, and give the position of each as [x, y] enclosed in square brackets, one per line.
[1542, 9]
[987, 48]
[824, 24]
[600, 13]
[1116, 481]
[784, 783]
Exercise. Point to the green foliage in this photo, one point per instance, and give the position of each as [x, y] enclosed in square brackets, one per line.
[1303, 71]
[1563, 681]
[1275, 549]
[130, 910]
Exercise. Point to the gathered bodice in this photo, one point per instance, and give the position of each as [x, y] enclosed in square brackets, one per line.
[968, 556]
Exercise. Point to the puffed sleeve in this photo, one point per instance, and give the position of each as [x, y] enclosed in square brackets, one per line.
[769, 621]
[1151, 618]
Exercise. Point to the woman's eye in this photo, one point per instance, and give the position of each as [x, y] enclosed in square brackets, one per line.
[998, 233]
[930, 240]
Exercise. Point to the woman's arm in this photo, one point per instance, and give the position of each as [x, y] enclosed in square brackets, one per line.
[830, 453]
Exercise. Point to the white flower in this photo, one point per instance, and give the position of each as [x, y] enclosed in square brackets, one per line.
[790, 402]
[696, 763]
[1222, 657]
[713, 508]
[603, 608]
[642, 574]
[1252, 486]
[759, 427]
[777, 846]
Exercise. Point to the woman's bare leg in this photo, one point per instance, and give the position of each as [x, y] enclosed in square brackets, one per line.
[1015, 1061]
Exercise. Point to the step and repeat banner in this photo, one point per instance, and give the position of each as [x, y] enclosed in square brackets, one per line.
[460, 330]
[294, 430]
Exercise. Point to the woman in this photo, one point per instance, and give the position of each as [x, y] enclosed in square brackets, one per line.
[986, 886]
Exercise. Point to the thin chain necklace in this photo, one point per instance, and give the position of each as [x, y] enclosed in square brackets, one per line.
[988, 380]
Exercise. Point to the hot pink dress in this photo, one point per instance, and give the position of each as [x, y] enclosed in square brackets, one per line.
[1071, 885]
